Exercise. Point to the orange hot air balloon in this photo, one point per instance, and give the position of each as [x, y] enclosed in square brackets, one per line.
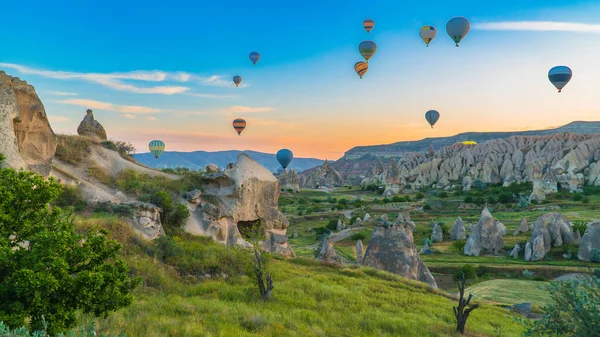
[368, 24]
[361, 68]
[239, 125]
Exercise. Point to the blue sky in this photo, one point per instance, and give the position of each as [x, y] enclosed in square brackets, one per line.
[163, 69]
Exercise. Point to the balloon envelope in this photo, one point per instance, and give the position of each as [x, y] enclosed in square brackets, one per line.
[254, 57]
[284, 157]
[239, 124]
[427, 34]
[559, 76]
[432, 117]
[368, 24]
[156, 147]
[367, 49]
[237, 80]
[361, 68]
[457, 28]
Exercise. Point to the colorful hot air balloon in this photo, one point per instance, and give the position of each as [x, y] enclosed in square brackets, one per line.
[237, 80]
[427, 34]
[469, 142]
[254, 57]
[284, 157]
[368, 24]
[367, 49]
[457, 28]
[239, 125]
[560, 76]
[432, 117]
[361, 68]
[157, 147]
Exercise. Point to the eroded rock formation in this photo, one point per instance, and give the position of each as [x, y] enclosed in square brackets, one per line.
[589, 241]
[486, 236]
[89, 127]
[550, 230]
[240, 197]
[458, 231]
[146, 219]
[321, 176]
[327, 252]
[288, 180]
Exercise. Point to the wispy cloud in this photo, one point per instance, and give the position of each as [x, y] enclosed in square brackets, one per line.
[58, 119]
[130, 116]
[61, 93]
[246, 109]
[128, 109]
[195, 94]
[541, 26]
[151, 118]
[117, 80]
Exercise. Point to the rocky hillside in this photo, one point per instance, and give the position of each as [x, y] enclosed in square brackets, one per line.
[321, 176]
[564, 160]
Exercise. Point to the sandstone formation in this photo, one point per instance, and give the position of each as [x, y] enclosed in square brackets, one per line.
[89, 127]
[458, 231]
[438, 234]
[392, 249]
[26, 138]
[211, 168]
[288, 180]
[359, 251]
[515, 252]
[321, 176]
[589, 241]
[528, 251]
[327, 252]
[486, 236]
[425, 250]
[550, 230]
[523, 227]
[366, 218]
[146, 219]
[236, 199]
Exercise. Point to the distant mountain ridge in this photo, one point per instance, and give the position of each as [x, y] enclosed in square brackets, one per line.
[197, 160]
[399, 148]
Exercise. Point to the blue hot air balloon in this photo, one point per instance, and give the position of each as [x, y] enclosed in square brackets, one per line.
[457, 28]
[254, 57]
[560, 76]
[432, 117]
[284, 157]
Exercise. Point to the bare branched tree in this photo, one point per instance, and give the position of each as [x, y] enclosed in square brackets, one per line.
[464, 306]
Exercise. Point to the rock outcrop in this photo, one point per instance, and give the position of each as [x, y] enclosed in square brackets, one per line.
[486, 236]
[523, 227]
[458, 231]
[392, 249]
[288, 180]
[437, 235]
[26, 138]
[91, 128]
[211, 168]
[359, 251]
[327, 252]
[240, 197]
[321, 176]
[146, 219]
[589, 241]
[515, 252]
[550, 230]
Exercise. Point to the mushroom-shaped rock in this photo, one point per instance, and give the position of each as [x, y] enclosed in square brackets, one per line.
[90, 127]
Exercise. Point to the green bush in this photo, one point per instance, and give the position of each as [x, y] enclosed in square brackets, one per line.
[491, 200]
[505, 197]
[5, 331]
[426, 207]
[459, 246]
[332, 224]
[71, 148]
[443, 194]
[527, 274]
[419, 196]
[166, 247]
[579, 226]
[467, 270]
[177, 218]
[577, 197]
[427, 241]
[468, 199]
[595, 255]
[358, 236]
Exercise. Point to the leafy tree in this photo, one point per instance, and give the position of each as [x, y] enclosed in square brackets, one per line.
[47, 269]
[260, 263]
[574, 310]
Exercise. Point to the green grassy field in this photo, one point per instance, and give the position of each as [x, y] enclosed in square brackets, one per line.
[509, 292]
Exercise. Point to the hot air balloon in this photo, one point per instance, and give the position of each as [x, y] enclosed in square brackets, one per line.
[361, 68]
[367, 49]
[239, 125]
[469, 142]
[560, 76]
[157, 147]
[237, 80]
[427, 34]
[368, 24]
[432, 117]
[254, 57]
[457, 28]
[284, 157]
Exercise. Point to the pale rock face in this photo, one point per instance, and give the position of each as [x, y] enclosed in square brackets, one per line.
[324, 175]
[26, 138]
[366, 218]
[458, 231]
[359, 251]
[523, 227]
[528, 251]
[425, 250]
[589, 241]
[146, 220]
[358, 222]
[486, 236]
[515, 252]
[211, 168]
[91, 128]
[392, 249]
[327, 252]
[438, 234]
[550, 230]
[244, 195]
[288, 180]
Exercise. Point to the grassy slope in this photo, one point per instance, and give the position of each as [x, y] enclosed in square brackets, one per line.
[512, 292]
[309, 299]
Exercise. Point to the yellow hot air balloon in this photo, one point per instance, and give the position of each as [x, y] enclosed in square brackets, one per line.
[361, 68]
[368, 24]
[427, 34]
[469, 142]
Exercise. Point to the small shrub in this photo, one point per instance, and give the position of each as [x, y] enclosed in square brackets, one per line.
[358, 236]
[577, 197]
[419, 196]
[443, 194]
[595, 255]
[491, 200]
[166, 247]
[427, 241]
[177, 218]
[579, 226]
[468, 270]
[527, 274]
[72, 149]
[426, 207]
[332, 224]
[459, 245]
[468, 199]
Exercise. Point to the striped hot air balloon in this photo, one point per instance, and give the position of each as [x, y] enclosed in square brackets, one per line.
[237, 80]
[361, 68]
[156, 147]
[254, 57]
[367, 49]
[457, 28]
[368, 24]
[239, 125]
[427, 34]
[559, 76]
[284, 157]
[432, 117]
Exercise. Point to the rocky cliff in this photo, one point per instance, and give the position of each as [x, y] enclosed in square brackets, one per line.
[231, 201]
[26, 138]
[288, 180]
[90, 127]
[321, 176]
